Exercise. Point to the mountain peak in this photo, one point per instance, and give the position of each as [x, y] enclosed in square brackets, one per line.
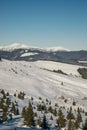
[57, 49]
[24, 46]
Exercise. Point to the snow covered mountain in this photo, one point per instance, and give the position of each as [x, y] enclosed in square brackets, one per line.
[28, 53]
[23, 46]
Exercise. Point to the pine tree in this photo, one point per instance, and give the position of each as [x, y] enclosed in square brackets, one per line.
[39, 123]
[61, 120]
[55, 112]
[44, 123]
[5, 109]
[29, 116]
[71, 125]
[7, 94]
[70, 114]
[76, 124]
[85, 125]
[79, 117]
[8, 102]
[23, 112]
[13, 109]
[51, 118]
[17, 111]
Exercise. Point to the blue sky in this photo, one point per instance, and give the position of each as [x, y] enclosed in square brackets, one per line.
[44, 23]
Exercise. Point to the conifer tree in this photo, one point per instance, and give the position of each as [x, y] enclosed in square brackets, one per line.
[13, 108]
[70, 114]
[85, 125]
[39, 123]
[61, 120]
[23, 112]
[0, 58]
[7, 94]
[17, 111]
[71, 125]
[55, 112]
[79, 117]
[51, 117]
[29, 116]
[5, 109]
[76, 124]
[8, 102]
[44, 123]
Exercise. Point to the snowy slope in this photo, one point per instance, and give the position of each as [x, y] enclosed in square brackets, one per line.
[28, 54]
[29, 77]
[66, 68]
[35, 79]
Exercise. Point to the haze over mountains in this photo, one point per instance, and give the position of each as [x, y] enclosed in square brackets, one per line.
[28, 53]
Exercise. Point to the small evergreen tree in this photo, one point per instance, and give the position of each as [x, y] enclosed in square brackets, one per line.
[13, 109]
[29, 116]
[8, 102]
[17, 111]
[50, 109]
[7, 94]
[44, 123]
[5, 109]
[39, 123]
[79, 117]
[76, 124]
[85, 125]
[0, 58]
[55, 112]
[71, 125]
[23, 112]
[51, 117]
[70, 114]
[61, 120]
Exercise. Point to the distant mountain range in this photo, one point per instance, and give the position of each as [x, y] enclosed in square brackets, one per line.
[27, 53]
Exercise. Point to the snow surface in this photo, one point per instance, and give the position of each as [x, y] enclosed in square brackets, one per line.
[57, 49]
[66, 68]
[35, 79]
[28, 54]
[82, 61]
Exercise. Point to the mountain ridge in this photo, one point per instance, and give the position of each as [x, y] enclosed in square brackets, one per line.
[27, 53]
[24, 46]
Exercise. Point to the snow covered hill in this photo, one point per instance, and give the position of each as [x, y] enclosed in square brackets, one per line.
[35, 79]
[38, 80]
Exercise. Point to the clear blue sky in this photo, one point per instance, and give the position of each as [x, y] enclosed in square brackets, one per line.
[44, 23]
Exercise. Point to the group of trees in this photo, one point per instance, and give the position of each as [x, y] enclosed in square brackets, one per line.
[7, 107]
[29, 115]
[0, 58]
[72, 121]
[83, 72]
